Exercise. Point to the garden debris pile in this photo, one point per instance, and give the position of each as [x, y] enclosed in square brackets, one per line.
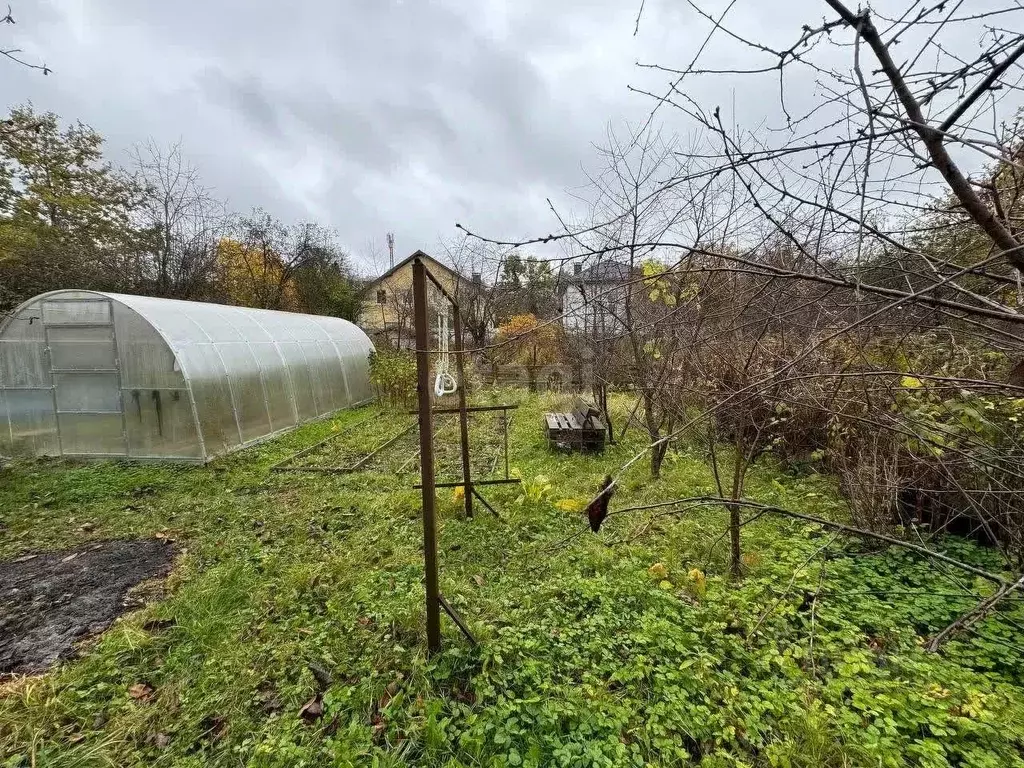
[50, 600]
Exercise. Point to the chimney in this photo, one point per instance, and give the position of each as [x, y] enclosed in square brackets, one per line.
[477, 278]
[577, 268]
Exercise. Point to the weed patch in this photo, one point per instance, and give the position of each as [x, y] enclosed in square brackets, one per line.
[629, 647]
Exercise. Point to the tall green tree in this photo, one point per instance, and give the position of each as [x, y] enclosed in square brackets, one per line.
[526, 286]
[325, 284]
[66, 215]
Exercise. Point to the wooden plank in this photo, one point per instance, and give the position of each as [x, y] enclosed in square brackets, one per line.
[573, 426]
[471, 409]
[459, 483]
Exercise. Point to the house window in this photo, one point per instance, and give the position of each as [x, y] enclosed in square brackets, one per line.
[382, 296]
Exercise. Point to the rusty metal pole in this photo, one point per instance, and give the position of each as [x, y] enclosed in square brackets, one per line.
[419, 300]
[463, 416]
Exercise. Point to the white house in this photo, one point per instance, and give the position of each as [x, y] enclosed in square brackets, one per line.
[592, 299]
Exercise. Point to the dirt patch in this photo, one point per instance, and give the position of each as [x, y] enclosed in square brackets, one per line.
[50, 600]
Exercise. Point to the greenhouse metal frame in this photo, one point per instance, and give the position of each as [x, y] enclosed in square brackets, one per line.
[88, 374]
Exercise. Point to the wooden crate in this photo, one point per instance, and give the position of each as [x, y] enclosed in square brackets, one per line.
[580, 429]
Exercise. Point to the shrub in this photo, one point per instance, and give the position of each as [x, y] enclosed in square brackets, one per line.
[393, 374]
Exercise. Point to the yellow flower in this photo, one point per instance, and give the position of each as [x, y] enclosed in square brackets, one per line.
[458, 493]
[658, 571]
[698, 583]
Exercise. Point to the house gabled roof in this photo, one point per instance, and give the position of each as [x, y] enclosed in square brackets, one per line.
[601, 272]
[432, 263]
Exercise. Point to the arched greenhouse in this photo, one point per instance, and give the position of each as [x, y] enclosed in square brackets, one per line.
[91, 374]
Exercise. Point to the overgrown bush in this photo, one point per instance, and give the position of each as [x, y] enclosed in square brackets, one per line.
[869, 478]
[932, 439]
[393, 375]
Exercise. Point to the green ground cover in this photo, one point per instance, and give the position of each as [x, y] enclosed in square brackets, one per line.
[630, 647]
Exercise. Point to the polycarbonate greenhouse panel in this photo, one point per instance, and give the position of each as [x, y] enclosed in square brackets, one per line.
[85, 373]
[82, 347]
[68, 310]
[160, 422]
[300, 381]
[32, 422]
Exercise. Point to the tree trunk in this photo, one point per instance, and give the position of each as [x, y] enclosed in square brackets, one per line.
[600, 392]
[657, 459]
[736, 562]
[654, 432]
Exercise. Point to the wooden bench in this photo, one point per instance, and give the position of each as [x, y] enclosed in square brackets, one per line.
[580, 429]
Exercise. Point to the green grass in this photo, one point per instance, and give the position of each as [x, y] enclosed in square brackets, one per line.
[588, 656]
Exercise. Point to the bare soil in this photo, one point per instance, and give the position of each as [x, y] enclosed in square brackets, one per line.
[49, 601]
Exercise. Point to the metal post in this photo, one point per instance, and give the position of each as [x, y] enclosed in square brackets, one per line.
[419, 300]
[463, 418]
[504, 419]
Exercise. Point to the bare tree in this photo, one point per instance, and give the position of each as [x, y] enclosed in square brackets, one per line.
[270, 253]
[479, 267]
[185, 219]
[857, 263]
[15, 54]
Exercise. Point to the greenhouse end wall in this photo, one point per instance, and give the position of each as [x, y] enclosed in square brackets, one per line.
[103, 375]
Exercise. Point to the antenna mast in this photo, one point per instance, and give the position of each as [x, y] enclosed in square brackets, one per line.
[391, 248]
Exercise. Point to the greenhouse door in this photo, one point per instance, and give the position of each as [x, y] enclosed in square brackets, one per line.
[86, 378]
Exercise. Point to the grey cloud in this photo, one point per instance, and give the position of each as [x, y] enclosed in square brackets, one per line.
[372, 115]
[247, 95]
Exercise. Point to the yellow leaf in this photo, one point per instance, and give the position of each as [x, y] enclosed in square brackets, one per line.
[698, 583]
[910, 382]
[658, 571]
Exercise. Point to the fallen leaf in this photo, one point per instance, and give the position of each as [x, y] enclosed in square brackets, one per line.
[379, 726]
[156, 625]
[273, 704]
[312, 709]
[141, 691]
[213, 727]
[479, 580]
[162, 741]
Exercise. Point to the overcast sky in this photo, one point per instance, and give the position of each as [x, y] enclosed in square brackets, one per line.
[380, 115]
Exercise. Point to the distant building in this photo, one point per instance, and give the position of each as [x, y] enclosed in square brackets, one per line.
[386, 312]
[593, 299]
